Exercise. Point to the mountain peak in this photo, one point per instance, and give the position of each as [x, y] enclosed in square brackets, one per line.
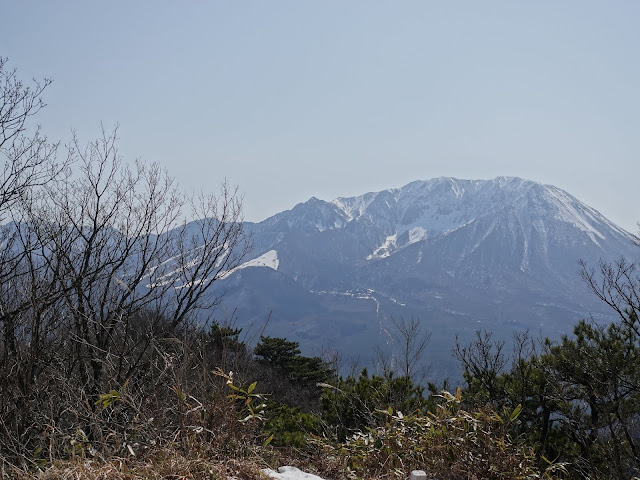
[429, 208]
[423, 209]
[460, 254]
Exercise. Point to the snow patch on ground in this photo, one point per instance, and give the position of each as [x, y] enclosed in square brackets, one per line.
[289, 473]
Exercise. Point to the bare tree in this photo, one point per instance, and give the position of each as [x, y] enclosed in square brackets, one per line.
[27, 157]
[482, 361]
[409, 342]
[28, 162]
[332, 357]
[27, 316]
[618, 285]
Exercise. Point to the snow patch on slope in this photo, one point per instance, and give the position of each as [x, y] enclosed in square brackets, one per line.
[386, 248]
[391, 244]
[568, 213]
[354, 207]
[417, 234]
[268, 259]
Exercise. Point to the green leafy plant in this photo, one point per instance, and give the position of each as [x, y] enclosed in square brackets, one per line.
[250, 400]
[107, 399]
[291, 427]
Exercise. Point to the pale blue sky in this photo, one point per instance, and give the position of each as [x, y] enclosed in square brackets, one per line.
[290, 99]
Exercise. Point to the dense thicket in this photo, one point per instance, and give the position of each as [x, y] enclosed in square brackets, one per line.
[580, 396]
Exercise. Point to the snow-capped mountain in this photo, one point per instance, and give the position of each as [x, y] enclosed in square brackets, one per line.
[500, 254]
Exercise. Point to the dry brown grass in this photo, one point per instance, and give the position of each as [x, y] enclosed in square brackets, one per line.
[170, 464]
[160, 465]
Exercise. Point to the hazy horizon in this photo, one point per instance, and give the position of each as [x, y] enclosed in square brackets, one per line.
[290, 100]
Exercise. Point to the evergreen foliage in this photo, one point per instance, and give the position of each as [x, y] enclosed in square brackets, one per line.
[226, 338]
[290, 426]
[285, 357]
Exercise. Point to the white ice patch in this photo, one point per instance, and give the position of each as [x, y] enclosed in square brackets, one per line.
[268, 259]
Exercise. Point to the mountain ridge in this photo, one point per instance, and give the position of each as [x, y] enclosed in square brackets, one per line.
[319, 215]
